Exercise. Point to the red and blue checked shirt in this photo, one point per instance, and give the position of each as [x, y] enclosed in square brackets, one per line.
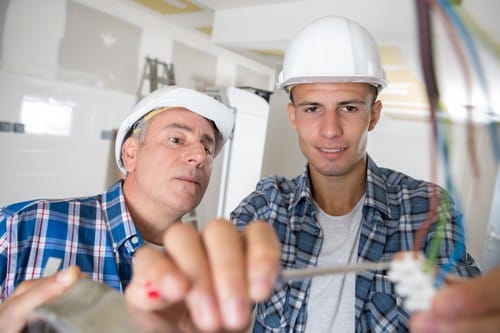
[95, 233]
[395, 208]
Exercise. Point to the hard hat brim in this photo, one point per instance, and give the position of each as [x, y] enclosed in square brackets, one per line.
[176, 97]
[377, 82]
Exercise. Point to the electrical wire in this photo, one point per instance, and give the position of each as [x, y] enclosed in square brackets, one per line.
[465, 48]
[453, 25]
[463, 20]
[439, 204]
[450, 10]
[427, 65]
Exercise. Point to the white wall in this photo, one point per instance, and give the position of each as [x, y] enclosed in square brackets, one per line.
[33, 64]
[246, 151]
[37, 165]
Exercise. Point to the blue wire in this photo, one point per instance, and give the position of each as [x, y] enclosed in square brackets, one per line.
[495, 139]
[459, 249]
[468, 40]
[471, 47]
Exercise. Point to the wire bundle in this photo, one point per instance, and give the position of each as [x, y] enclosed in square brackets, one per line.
[453, 17]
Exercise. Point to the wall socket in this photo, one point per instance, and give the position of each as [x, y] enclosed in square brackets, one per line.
[5, 126]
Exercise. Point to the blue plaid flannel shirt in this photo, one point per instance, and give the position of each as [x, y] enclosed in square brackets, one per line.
[395, 208]
[95, 233]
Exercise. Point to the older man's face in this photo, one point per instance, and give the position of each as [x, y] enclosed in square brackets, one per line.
[170, 168]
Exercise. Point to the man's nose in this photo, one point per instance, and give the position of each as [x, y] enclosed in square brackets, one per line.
[330, 124]
[196, 154]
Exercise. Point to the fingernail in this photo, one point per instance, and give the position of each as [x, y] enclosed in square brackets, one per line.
[449, 303]
[262, 280]
[64, 277]
[236, 312]
[151, 291]
[174, 287]
[260, 285]
[205, 311]
[424, 323]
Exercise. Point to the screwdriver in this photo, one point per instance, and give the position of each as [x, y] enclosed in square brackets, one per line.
[303, 273]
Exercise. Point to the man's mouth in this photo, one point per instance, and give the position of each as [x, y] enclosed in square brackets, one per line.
[332, 150]
[189, 179]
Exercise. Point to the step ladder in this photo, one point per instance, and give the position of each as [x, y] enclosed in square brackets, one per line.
[155, 74]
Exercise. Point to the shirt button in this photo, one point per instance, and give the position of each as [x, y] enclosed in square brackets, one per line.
[135, 240]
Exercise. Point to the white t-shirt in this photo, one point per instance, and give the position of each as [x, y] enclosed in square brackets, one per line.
[331, 306]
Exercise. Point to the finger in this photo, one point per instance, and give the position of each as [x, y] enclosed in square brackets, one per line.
[401, 255]
[15, 310]
[263, 259]
[173, 319]
[226, 252]
[156, 281]
[452, 279]
[426, 323]
[470, 297]
[183, 244]
[60, 281]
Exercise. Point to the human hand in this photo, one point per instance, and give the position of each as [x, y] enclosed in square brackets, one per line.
[28, 295]
[469, 305]
[217, 273]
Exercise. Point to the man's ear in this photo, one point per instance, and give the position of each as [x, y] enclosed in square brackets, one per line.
[130, 148]
[375, 115]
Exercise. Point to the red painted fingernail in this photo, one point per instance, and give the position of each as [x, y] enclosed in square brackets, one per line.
[152, 292]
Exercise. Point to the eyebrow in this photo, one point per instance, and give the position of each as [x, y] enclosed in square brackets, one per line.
[351, 101]
[304, 103]
[184, 127]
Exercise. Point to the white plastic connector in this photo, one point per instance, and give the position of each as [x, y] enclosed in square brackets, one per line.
[52, 266]
[412, 282]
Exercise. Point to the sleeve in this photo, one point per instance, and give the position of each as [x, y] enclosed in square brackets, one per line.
[3, 252]
[446, 240]
[253, 207]
[257, 205]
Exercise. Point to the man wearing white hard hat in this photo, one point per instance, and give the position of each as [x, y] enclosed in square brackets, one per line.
[165, 150]
[343, 209]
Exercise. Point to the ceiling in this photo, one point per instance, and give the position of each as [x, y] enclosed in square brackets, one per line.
[261, 29]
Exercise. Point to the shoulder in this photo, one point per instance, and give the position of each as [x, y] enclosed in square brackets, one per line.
[279, 184]
[395, 192]
[281, 190]
[49, 207]
[396, 181]
[271, 194]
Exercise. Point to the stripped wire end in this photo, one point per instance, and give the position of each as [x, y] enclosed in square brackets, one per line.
[413, 281]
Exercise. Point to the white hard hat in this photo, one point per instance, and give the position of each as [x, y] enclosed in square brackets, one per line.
[172, 96]
[332, 49]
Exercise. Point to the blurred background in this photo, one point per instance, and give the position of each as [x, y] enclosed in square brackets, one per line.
[71, 70]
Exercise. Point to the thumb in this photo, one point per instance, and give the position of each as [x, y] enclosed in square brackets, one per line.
[469, 296]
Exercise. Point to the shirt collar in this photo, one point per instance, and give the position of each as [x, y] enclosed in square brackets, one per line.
[122, 228]
[376, 189]
[303, 187]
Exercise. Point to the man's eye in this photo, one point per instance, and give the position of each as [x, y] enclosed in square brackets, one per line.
[209, 151]
[311, 109]
[174, 139]
[350, 108]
